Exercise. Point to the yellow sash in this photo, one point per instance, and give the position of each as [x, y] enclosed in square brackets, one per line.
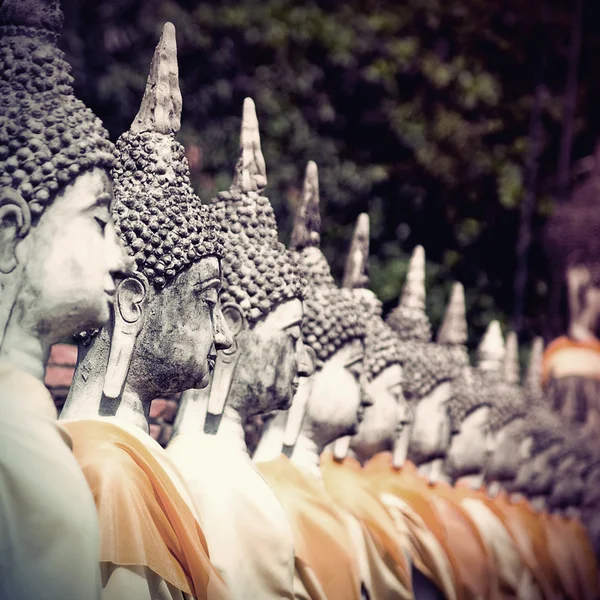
[144, 521]
[349, 489]
[322, 540]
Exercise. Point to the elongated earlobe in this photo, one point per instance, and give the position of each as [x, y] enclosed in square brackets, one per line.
[15, 223]
[226, 361]
[130, 314]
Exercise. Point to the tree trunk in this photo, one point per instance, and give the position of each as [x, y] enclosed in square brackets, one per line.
[531, 175]
[569, 105]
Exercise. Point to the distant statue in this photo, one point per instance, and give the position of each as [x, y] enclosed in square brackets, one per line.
[388, 549]
[165, 330]
[58, 257]
[332, 405]
[571, 240]
[246, 528]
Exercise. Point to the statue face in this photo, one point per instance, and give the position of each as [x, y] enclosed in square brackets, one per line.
[591, 492]
[430, 435]
[183, 329]
[536, 475]
[68, 261]
[566, 491]
[470, 447]
[383, 419]
[336, 404]
[508, 452]
[272, 359]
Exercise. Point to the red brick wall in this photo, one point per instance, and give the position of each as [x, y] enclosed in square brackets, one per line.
[59, 374]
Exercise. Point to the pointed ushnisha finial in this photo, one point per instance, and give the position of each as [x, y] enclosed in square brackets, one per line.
[453, 330]
[490, 353]
[512, 371]
[160, 110]
[413, 293]
[40, 14]
[250, 170]
[307, 224]
[356, 273]
[533, 378]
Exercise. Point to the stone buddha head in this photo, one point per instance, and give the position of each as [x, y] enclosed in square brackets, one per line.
[333, 328]
[58, 250]
[167, 324]
[470, 443]
[510, 404]
[382, 372]
[262, 297]
[543, 433]
[569, 475]
[429, 369]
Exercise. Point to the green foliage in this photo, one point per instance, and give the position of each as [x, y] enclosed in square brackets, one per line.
[415, 111]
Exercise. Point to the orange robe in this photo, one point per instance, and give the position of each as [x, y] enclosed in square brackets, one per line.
[511, 560]
[583, 557]
[326, 567]
[472, 556]
[389, 571]
[144, 520]
[529, 532]
[565, 357]
[405, 493]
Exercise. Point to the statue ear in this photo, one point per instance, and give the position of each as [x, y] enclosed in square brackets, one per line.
[15, 222]
[236, 321]
[131, 299]
[225, 366]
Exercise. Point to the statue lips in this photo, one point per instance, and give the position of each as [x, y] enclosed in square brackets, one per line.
[360, 414]
[211, 360]
[295, 385]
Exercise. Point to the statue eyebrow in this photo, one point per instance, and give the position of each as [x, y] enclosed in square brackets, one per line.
[215, 282]
[103, 199]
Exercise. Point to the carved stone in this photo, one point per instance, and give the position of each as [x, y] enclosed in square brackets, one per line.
[165, 329]
[58, 255]
[428, 369]
[262, 295]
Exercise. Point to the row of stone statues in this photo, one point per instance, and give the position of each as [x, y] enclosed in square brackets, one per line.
[389, 467]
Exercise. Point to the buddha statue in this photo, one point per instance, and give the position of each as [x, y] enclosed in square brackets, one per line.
[162, 337]
[389, 573]
[571, 363]
[246, 528]
[58, 257]
[479, 423]
[327, 539]
[471, 438]
[465, 458]
[429, 369]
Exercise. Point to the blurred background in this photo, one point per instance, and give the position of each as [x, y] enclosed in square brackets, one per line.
[462, 125]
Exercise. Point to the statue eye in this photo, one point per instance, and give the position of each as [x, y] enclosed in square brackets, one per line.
[356, 368]
[101, 223]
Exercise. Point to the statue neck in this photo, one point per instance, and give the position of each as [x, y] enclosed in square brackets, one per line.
[86, 399]
[516, 497]
[306, 454]
[192, 419]
[474, 481]
[271, 439]
[430, 469]
[231, 429]
[23, 350]
[494, 488]
[133, 410]
[191, 414]
[538, 503]
[573, 512]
